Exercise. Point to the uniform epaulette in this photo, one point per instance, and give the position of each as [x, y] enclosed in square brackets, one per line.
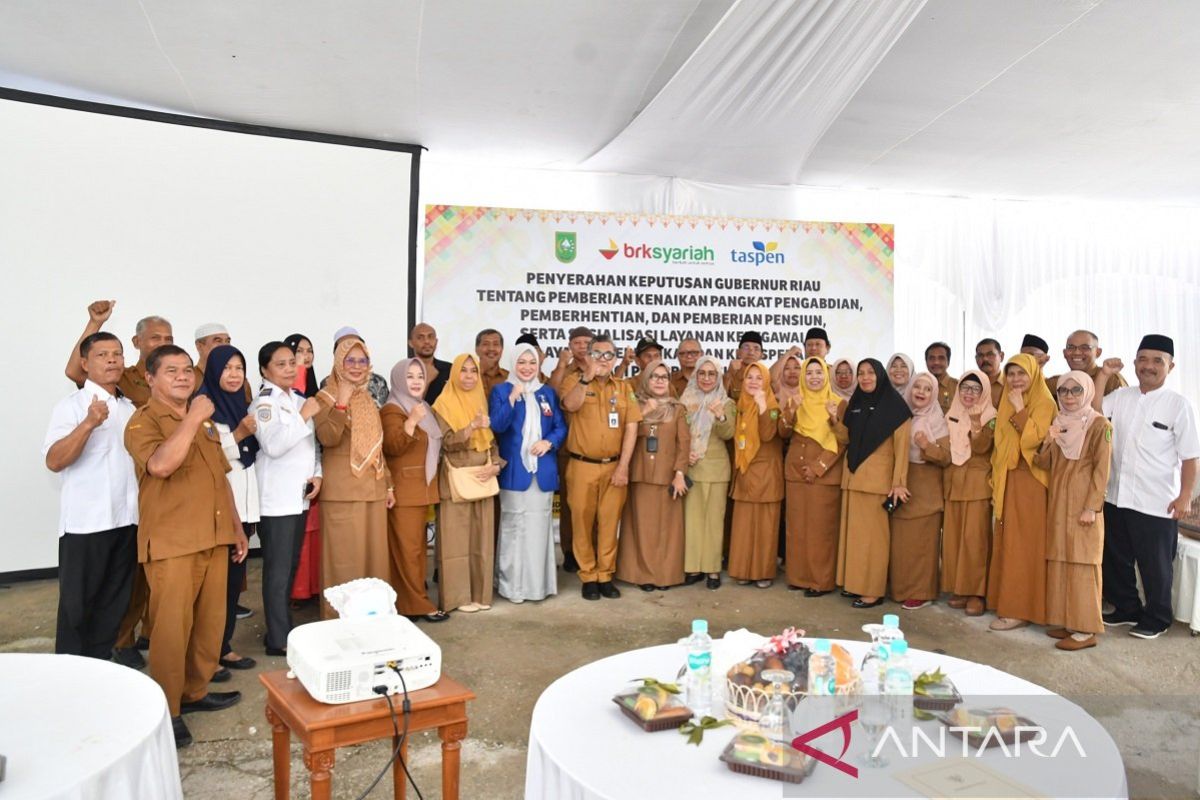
[266, 392]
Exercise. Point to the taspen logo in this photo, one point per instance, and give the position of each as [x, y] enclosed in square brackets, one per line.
[686, 254]
[763, 253]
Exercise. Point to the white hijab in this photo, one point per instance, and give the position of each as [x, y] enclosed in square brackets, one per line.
[531, 430]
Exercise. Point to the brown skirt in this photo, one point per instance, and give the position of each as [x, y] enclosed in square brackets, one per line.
[407, 553]
[914, 557]
[754, 540]
[650, 548]
[1073, 596]
[465, 552]
[1017, 575]
[814, 512]
[966, 546]
[354, 544]
[864, 544]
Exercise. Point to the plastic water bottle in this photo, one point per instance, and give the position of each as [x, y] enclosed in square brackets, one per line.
[699, 669]
[822, 670]
[887, 636]
[898, 684]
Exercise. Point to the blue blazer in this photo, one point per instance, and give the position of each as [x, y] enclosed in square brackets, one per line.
[507, 422]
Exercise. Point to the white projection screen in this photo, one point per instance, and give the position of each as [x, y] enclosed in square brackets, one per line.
[267, 231]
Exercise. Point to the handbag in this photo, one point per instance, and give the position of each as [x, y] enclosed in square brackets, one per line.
[465, 487]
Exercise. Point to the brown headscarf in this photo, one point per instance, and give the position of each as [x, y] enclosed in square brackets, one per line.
[362, 415]
[958, 418]
[1074, 424]
[401, 397]
[747, 442]
[459, 407]
[664, 406]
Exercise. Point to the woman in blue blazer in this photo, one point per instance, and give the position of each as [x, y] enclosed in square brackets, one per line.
[529, 428]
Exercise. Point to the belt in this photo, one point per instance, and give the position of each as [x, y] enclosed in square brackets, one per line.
[608, 460]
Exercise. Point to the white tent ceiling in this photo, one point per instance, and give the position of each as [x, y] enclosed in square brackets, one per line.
[1018, 98]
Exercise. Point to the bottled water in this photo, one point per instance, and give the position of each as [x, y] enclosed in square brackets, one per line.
[699, 670]
[898, 684]
[822, 670]
[874, 665]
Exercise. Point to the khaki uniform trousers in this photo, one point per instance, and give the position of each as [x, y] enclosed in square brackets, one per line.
[594, 500]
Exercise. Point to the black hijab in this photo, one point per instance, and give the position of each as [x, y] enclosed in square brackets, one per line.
[230, 407]
[310, 382]
[871, 417]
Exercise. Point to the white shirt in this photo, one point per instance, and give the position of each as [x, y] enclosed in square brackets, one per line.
[241, 479]
[99, 491]
[287, 457]
[1152, 434]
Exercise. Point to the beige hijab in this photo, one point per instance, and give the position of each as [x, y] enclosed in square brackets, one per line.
[958, 418]
[1073, 425]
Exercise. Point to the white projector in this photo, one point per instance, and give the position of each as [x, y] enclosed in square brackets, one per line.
[343, 660]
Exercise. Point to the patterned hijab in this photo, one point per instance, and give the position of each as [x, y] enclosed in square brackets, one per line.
[697, 401]
[366, 431]
[664, 407]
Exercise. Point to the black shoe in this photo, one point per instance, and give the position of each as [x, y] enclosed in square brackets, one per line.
[851, 595]
[244, 613]
[816, 592]
[796, 588]
[129, 657]
[183, 737]
[692, 577]
[245, 662]
[221, 676]
[1115, 620]
[436, 616]
[591, 590]
[276, 651]
[608, 590]
[1145, 632]
[662, 588]
[570, 564]
[860, 604]
[713, 583]
[213, 701]
[142, 643]
[645, 587]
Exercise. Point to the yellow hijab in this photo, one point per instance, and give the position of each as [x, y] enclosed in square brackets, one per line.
[458, 406]
[812, 420]
[1011, 445]
[366, 430]
[747, 441]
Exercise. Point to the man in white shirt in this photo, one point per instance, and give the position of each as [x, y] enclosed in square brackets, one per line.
[1155, 447]
[97, 529]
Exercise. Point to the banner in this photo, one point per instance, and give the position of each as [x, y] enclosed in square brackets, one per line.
[670, 278]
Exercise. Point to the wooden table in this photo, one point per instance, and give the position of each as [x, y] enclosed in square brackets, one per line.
[323, 728]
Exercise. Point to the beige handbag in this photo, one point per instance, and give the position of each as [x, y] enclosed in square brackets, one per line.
[465, 487]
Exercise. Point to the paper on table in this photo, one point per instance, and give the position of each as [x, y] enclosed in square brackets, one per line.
[963, 778]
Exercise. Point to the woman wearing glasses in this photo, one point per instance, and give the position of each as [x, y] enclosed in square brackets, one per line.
[1077, 452]
[757, 481]
[651, 550]
[1017, 574]
[967, 527]
[711, 414]
[356, 492]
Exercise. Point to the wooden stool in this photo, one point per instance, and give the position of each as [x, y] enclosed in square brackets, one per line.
[323, 728]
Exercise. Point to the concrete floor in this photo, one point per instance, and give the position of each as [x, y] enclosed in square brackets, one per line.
[1145, 693]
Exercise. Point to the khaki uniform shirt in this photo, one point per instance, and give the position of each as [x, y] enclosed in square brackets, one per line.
[946, 388]
[493, 379]
[589, 433]
[134, 385]
[190, 511]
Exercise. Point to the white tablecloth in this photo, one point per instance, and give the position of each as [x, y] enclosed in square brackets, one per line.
[581, 747]
[79, 728]
[1185, 592]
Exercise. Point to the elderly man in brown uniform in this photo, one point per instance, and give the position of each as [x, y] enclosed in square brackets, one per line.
[603, 417]
[689, 353]
[937, 361]
[489, 347]
[990, 360]
[1082, 353]
[569, 367]
[149, 334]
[187, 520]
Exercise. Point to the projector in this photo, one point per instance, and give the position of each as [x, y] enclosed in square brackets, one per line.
[343, 660]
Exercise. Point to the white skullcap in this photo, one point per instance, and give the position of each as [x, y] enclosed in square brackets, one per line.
[210, 329]
[345, 331]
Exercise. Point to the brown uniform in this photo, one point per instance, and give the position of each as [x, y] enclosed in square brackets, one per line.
[997, 388]
[1115, 381]
[466, 541]
[864, 539]
[594, 450]
[946, 388]
[679, 382]
[916, 528]
[354, 532]
[651, 550]
[493, 378]
[133, 384]
[565, 528]
[186, 522]
[406, 519]
[814, 510]
[757, 496]
[1074, 551]
[967, 527]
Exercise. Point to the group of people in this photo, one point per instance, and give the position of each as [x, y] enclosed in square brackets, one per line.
[894, 482]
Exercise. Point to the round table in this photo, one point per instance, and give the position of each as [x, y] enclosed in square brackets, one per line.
[73, 727]
[581, 747]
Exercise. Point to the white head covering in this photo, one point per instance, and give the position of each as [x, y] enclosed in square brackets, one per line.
[696, 401]
[210, 329]
[345, 331]
[912, 372]
[531, 430]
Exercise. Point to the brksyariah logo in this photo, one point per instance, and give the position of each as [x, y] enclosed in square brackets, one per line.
[612, 250]
[686, 254]
[763, 253]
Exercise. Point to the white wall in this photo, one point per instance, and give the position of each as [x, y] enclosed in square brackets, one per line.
[266, 235]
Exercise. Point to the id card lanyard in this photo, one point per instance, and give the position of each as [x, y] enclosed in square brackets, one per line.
[614, 420]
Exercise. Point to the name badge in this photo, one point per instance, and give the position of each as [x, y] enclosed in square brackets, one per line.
[546, 410]
[614, 420]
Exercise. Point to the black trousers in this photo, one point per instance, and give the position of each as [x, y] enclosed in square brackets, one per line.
[233, 588]
[281, 538]
[1133, 539]
[95, 578]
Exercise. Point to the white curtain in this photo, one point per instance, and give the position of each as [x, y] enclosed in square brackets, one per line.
[965, 269]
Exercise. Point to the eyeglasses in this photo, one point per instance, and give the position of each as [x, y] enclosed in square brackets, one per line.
[660, 377]
[707, 373]
[1074, 391]
[971, 388]
[689, 353]
[1081, 348]
[356, 362]
[603, 355]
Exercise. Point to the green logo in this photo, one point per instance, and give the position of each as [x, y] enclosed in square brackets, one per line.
[564, 246]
